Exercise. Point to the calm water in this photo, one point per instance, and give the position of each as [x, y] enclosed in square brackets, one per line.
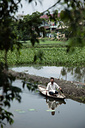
[36, 112]
[65, 73]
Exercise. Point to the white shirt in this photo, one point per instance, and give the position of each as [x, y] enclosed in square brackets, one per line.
[52, 87]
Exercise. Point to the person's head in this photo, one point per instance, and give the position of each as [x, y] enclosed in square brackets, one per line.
[51, 79]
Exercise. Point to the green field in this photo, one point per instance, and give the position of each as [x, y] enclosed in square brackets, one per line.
[45, 43]
[53, 53]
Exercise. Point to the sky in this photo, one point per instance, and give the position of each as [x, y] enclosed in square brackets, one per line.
[30, 8]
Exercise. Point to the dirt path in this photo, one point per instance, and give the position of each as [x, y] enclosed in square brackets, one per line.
[75, 91]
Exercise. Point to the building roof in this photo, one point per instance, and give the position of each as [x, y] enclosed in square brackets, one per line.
[47, 17]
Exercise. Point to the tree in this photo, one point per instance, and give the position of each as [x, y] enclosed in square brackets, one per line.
[73, 17]
[8, 40]
[30, 26]
[8, 37]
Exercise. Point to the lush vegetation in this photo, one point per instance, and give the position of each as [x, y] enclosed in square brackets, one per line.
[52, 53]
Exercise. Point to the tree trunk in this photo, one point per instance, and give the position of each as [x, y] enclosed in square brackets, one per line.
[6, 65]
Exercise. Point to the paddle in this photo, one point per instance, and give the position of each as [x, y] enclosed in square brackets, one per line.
[61, 91]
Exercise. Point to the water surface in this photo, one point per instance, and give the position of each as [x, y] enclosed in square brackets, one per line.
[36, 112]
[65, 73]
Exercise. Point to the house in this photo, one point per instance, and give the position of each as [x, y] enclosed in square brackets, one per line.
[52, 27]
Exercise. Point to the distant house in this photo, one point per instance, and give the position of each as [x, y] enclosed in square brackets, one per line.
[51, 27]
[47, 24]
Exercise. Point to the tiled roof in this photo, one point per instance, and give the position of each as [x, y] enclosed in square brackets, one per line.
[46, 16]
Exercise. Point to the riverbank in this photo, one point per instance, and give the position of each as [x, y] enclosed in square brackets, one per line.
[71, 89]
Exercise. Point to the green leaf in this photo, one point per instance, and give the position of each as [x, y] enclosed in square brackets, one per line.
[32, 110]
[17, 110]
[21, 111]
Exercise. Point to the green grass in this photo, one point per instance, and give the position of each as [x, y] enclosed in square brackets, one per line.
[51, 56]
[45, 44]
[50, 42]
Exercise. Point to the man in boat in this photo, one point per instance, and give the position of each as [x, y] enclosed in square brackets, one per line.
[52, 87]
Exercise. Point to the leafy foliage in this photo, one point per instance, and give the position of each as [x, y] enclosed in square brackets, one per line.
[9, 94]
[8, 40]
[29, 26]
[8, 36]
[73, 17]
[5, 115]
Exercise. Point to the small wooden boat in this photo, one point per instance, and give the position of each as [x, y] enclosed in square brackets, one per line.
[42, 90]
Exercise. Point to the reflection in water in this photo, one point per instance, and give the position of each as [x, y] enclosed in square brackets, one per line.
[78, 73]
[53, 104]
[65, 73]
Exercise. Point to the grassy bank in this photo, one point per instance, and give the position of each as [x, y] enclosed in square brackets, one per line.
[51, 55]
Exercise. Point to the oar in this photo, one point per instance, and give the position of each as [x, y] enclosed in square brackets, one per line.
[61, 91]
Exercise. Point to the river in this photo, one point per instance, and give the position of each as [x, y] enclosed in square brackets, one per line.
[35, 111]
[66, 73]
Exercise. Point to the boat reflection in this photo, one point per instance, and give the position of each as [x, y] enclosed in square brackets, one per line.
[53, 104]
